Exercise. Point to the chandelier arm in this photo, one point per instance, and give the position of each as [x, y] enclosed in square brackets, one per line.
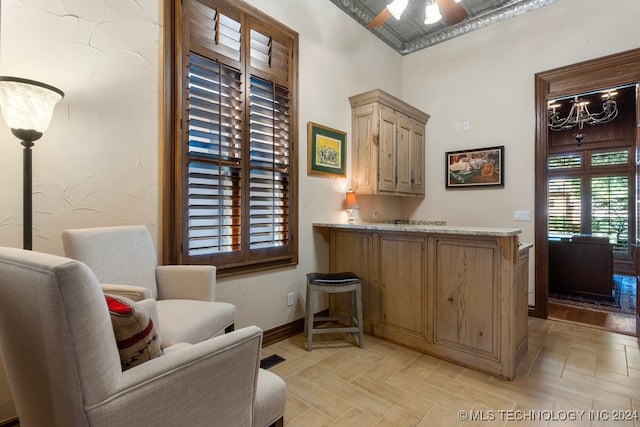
[580, 114]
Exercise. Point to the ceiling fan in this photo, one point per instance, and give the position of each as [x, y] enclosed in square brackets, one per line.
[435, 10]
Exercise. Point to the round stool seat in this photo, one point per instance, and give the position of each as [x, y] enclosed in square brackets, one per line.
[333, 279]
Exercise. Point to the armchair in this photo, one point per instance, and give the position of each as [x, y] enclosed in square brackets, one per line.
[124, 261]
[63, 366]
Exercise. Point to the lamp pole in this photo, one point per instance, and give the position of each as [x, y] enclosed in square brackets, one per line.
[27, 137]
[27, 205]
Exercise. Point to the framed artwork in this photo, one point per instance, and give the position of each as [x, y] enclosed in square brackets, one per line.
[481, 167]
[327, 150]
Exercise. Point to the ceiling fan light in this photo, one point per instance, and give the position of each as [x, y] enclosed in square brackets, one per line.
[432, 13]
[458, 1]
[397, 7]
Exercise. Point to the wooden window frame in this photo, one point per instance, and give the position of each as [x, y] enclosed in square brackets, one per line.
[174, 161]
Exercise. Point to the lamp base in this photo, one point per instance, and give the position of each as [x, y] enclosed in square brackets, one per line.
[350, 217]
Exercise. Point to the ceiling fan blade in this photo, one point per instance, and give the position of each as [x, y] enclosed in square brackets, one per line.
[451, 11]
[379, 19]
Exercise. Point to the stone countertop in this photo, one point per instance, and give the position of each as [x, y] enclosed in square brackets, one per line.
[424, 228]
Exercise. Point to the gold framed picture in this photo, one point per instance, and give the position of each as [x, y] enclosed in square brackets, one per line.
[327, 150]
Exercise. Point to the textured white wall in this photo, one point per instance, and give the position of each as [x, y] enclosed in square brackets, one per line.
[487, 78]
[98, 162]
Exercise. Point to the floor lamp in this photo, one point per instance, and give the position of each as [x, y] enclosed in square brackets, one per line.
[27, 107]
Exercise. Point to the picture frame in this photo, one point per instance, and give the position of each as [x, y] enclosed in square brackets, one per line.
[475, 168]
[327, 150]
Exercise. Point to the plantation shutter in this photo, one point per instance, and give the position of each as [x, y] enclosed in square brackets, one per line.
[269, 170]
[565, 205]
[238, 138]
[214, 132]
[269, 139]
[610, 210]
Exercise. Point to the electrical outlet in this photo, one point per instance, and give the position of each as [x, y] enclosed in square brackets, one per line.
[290, 299]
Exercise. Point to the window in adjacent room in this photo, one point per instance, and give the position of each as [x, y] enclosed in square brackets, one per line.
[589, 193]
[233, 157]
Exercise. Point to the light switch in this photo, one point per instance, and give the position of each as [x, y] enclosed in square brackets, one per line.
[524, 216]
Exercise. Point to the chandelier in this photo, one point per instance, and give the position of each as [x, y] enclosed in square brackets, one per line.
[580, 114]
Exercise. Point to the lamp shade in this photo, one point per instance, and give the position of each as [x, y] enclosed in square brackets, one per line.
[350, 200]
[27, 104]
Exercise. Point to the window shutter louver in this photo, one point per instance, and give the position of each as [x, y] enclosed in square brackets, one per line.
[212, 30]
[269, 164]
[565, 206]
[610, 210]
[215, 154]
[565, 161]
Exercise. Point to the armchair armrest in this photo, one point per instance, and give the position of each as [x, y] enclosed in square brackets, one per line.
[135, 293]
[213, 381]
[196, 282]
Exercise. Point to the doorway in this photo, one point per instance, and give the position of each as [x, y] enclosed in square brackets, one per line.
[621, 69]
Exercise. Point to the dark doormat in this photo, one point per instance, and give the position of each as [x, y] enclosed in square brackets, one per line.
[270, 361]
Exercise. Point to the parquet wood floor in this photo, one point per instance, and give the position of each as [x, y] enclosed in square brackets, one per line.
[572, 375]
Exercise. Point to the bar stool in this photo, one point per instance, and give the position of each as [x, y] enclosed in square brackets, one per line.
[334, 283]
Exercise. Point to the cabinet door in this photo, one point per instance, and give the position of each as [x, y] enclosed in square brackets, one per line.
[402, 288]
[417, 158]
[352, 251]
[404, 171]
[467, 298]
[387, 153]
[364, 149]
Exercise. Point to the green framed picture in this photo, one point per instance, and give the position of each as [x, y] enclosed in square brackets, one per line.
[327, 150]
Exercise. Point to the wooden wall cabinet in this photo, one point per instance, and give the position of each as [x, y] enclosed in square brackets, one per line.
[459, 297]
[388, 145]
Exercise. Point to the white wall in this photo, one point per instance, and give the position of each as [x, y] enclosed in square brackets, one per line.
[98, 164]
[487, 78]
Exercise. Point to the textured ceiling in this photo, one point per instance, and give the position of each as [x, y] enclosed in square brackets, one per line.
[410, 34]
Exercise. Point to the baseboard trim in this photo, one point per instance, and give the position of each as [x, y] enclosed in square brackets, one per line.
[287, 330]
[10, 422]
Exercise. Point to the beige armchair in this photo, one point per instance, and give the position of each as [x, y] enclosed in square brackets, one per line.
[124, 261]
[63, 365]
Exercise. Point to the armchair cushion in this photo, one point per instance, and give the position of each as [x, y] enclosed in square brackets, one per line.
[197, 282]
[134, 331]
[193, 321]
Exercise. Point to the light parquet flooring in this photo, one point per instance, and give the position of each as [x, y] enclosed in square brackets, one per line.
[572, 375]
